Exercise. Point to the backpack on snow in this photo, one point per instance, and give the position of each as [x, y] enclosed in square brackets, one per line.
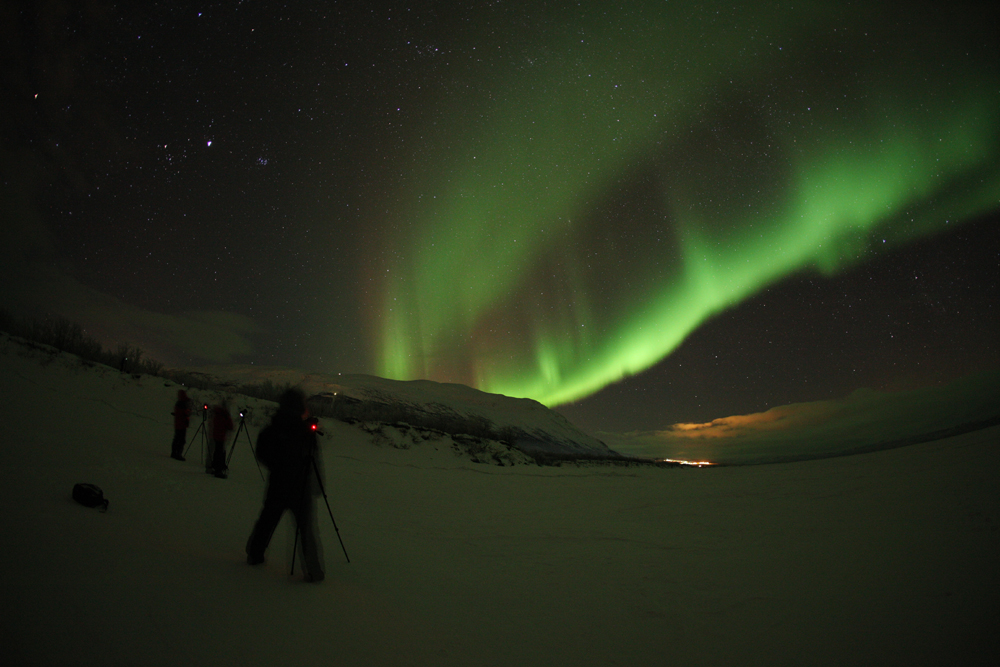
[90, 495]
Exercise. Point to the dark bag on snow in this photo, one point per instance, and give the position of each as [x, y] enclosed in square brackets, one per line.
[90, 495]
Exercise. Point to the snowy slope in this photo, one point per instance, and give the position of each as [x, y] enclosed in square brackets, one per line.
[886, 558]
[532, 427]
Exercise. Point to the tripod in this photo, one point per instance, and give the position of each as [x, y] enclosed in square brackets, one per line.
[244, 429]
[305, 491]
[201, 429]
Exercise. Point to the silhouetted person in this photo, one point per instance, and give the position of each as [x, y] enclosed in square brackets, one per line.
[287, 447]
[222, 424]
[182, 418]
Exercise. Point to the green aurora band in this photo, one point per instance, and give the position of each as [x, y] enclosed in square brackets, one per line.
[621, 179]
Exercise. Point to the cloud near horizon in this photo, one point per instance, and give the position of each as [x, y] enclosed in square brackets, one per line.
[775, 419]
[866, 419]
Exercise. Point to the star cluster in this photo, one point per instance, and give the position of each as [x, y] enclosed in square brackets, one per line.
[681, 210]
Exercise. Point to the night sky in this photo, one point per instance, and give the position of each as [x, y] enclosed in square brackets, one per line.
[663, 211]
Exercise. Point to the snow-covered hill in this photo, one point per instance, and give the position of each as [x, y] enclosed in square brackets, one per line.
[422, 405]
[886, 558]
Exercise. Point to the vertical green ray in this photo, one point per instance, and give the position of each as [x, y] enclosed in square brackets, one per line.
[603, 202]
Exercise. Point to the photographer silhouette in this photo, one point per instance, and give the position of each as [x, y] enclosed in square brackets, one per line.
[182, 418]
[287, 447]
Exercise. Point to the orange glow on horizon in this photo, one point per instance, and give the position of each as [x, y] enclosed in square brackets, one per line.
[775, 419]
[696, 464]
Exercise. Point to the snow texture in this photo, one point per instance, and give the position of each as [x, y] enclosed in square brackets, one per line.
[885, 558]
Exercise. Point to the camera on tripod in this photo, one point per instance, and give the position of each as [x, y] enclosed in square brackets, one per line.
[244, 413]
[314, 425]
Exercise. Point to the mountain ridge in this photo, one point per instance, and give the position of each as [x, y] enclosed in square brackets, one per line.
[522, 423]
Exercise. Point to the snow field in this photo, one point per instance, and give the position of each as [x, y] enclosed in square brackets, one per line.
[886, 558]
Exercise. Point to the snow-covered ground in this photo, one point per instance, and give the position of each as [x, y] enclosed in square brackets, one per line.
[887, 558]
[531, 425]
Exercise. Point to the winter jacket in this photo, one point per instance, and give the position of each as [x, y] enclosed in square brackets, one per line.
[222, 423]
[182, 413]
[287, 447]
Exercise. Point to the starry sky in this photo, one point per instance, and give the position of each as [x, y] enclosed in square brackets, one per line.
[645, 213]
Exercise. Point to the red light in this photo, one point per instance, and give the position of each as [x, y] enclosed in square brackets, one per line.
[313, 427]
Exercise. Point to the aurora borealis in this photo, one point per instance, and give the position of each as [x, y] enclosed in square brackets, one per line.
[645, 213]
[640, 172]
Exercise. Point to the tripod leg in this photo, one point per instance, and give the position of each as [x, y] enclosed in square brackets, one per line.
[329, 511]
[295, 547]
[200, 429]
[245, 429]
[254, 452]
[235, 439]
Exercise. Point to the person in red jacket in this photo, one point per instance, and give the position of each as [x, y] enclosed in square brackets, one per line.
[182, 417]
[222, 424]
